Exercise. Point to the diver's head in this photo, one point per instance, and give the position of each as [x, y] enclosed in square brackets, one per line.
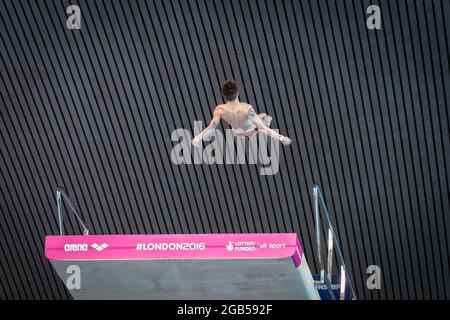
[229, 90]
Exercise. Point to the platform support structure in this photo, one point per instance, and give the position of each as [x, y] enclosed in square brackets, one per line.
[60, 196]
[326, 272]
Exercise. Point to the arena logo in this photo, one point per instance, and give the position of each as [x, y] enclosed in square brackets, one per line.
[172, 246]
[76, 247]
[257, 149]
[99, 247]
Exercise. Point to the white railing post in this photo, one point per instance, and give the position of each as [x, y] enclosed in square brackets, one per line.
[330, 255]
[343, 281]
[60, 214]
[318, 240]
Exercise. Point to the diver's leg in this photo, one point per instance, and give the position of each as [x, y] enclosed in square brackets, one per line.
[266, 119]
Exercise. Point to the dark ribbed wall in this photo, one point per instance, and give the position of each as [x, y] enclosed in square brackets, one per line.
[92, 110]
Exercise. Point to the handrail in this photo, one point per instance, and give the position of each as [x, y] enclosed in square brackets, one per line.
[60, 195]
[333, 244]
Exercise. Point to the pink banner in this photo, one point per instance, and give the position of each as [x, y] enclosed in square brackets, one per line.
[175, 246]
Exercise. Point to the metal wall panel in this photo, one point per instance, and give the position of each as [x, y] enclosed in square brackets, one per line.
[93, 110]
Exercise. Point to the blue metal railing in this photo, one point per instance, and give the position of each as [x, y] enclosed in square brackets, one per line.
[333, 244]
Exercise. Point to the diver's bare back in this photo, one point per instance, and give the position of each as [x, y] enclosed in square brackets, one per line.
[242, 118]
[237, 115]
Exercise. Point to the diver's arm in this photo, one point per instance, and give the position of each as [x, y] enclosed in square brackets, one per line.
[214, 122]
[257, 122]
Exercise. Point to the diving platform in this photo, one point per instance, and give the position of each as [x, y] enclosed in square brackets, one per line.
[182, 266]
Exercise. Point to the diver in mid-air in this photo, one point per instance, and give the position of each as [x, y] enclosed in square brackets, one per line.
[240, 116]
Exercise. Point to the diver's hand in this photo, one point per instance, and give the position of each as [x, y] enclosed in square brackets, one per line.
[285, 141]
[195, 142]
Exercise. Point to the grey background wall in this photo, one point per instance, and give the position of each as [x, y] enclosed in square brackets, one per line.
[93, 110]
